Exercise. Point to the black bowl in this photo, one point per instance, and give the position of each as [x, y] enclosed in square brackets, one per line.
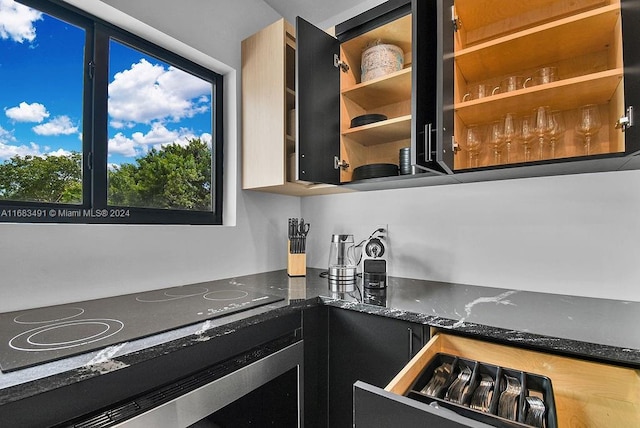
[375, 170]
[366, 119]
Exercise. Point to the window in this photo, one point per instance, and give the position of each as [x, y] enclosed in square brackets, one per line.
[100, 126]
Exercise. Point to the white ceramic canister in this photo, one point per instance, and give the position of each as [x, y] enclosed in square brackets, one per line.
[380, 60]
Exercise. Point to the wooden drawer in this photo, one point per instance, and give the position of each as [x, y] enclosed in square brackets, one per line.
[587, 394]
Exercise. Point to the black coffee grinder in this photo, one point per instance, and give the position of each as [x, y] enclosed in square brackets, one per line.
[374, 270]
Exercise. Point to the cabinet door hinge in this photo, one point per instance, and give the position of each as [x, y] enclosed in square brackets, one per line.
[626, 122]
[455, 20]
[340, 64]
[455, 147]
[337, 163]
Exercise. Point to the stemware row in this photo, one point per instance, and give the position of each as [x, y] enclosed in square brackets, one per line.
[544, 127]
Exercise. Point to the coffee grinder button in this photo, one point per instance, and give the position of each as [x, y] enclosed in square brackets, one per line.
[374, 248]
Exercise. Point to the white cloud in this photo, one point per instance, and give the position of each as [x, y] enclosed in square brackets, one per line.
[146, 93]
[186, 137]
[34, 112]
[59, 125]
[16, 21]
[122, 145]
[6, 136]
[158, 137]
[158, 134]
[59, 152]
[8, 151]
[116, 124]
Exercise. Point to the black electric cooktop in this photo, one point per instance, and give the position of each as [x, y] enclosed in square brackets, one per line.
[41, 335]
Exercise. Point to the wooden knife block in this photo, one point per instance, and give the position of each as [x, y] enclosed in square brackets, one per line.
[296, 263]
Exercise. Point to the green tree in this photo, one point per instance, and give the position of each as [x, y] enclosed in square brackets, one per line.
[56, 179]
[175, 177]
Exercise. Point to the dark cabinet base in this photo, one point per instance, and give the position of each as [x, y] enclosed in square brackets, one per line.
[368, 348]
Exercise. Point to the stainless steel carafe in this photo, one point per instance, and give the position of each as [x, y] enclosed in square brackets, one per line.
[342, 265]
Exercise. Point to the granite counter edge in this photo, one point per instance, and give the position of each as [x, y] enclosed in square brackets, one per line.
[574, 348]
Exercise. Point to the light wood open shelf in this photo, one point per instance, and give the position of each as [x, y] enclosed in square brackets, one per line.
[382, 132]
[569, 37]
[482, 20]
[385, 90]
[596, 88]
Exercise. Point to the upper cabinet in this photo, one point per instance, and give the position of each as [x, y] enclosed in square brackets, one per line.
[540, 82]
[441, 91]
[354, 95]
[269, 120]
[347, 114]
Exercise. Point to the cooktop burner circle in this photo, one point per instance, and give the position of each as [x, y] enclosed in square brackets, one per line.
[70, 334]
[48, 315]
[171, 294]
[224, 295]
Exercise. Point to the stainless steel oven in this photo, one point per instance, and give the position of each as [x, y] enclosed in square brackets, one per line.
[191, 402]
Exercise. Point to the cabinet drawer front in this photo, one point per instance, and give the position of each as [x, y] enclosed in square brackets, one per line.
[587, 394]
[376, 408]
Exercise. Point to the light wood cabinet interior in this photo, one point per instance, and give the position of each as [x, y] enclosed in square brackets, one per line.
[582, 39]
[390, 95]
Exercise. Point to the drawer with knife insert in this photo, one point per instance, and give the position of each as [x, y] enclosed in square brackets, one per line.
[576, 392]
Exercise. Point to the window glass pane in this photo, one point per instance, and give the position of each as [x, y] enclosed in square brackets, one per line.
[41, 92]
[159, 130]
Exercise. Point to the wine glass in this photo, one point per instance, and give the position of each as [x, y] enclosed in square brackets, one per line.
[556, 129]
[509, 133]
[588, 124]
[473, 142]
[541, 128]
[496, 140]
[526, 135]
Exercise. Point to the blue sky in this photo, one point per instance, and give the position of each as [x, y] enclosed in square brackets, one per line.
[41, 64]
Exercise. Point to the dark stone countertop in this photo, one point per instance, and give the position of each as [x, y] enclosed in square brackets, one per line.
[599, 329]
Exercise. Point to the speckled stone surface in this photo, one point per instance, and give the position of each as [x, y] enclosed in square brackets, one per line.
[604, 330]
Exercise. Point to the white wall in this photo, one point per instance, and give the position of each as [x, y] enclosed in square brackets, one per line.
[576, 234]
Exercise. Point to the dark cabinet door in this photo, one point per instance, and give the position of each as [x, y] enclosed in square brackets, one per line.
[631, 54]
[316, 354]
[368, 348]
[317, 103]
[432, 103]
